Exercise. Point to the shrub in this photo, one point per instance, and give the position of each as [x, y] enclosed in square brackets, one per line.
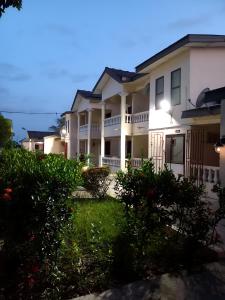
[97, 181]
[34, 189]
[156, 201]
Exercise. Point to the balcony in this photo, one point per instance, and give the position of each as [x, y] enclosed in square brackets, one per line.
[136, 123]
[95, 131]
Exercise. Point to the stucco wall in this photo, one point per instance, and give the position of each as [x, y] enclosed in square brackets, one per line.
[159, 119]
[207, 69]
[53, 144]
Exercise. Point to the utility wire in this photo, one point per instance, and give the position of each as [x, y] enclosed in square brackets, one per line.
[29, 113]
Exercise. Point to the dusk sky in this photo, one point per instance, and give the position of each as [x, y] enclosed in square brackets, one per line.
[51, 48]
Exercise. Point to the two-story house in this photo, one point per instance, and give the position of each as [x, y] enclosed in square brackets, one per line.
[168, 109]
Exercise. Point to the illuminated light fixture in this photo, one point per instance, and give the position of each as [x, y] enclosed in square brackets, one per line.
[165, 105]
[219, 145]
[63, 131]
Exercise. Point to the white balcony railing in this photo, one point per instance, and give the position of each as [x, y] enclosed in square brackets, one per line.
[129, 118]
[207, 174]
[111, 161]
[95, 129]
[84, 129]
[112, 121]
[137, 162]
[140, 117]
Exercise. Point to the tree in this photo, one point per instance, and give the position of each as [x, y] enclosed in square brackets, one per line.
[60, 122]
[5, 131]
[7, 3]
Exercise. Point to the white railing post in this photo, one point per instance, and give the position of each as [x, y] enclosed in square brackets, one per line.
[78, 134]
[122, 131]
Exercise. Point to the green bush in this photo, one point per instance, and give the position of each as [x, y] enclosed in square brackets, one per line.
[97, 181]
[156, 201]
[34, 189]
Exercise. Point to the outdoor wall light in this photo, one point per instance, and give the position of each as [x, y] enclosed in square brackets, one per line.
[219, 145]
[165, 105]
[63, 131]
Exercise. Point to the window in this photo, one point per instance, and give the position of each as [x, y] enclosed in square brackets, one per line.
[107, 148]
[68, 126]
[36, 146]
[108, 115]
[175, 149]
[159, 91]
[176, 87]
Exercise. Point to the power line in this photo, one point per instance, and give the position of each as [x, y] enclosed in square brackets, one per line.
[29, 113]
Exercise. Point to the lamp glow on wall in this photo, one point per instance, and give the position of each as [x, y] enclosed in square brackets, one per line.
[63, 131]
[165, 105]
[219, 145]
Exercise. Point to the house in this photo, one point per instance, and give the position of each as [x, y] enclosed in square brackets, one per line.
[35, 140]
[170, 109]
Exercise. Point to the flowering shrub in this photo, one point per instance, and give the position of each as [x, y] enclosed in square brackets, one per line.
[34, 189]
[156, 202]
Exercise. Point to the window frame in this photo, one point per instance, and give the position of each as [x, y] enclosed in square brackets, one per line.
[158, 95]
[173, 88]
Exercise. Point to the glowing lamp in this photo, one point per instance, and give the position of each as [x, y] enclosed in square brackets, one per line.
[165, 105]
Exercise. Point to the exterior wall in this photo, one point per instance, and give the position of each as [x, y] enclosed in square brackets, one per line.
[158, 118]
[222, 152]
[140, 102]
[53, 144]
[140, 146]
[207, 69]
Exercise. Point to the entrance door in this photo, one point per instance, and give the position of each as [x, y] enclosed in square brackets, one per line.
[175, 153]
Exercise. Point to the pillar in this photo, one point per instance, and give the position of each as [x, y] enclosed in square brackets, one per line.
[78, 134]
[89, 135]
[102, 133]
[122, 131]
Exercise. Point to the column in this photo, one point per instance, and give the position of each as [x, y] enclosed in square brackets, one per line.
[122, 131]
[222, 151]
[102, 133]
[78, 134]
[89, 135]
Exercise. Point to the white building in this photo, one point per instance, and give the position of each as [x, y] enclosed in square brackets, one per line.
[170, 109]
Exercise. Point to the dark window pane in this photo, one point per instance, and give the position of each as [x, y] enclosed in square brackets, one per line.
[175, 96]
[107, 147]
[159, 91]
[175, 149]
[176, 87]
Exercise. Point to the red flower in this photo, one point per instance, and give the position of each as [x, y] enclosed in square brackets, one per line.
[151, 193]
[8, 190]
[6, 197]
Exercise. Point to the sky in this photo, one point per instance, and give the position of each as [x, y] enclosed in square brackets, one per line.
[51, 48]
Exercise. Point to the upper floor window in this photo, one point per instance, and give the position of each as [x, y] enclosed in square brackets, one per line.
[176, 87]
[159, 91]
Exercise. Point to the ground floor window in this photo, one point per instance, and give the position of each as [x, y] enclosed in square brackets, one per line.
[175, 149]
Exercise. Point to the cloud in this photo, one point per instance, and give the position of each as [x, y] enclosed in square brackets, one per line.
[186, 23]
[11, 72]
[56, 73]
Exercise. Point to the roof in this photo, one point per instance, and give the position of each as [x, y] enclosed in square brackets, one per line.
[121, 76]
[189, 38]
[201, 112]
[39, 135]
[87, 95]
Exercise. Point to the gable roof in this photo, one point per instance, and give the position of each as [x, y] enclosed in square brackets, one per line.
[39, 135]
[121, 76]
[187, 39]
[87, 95]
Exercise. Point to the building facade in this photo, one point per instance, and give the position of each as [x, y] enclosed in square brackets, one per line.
[170, 109]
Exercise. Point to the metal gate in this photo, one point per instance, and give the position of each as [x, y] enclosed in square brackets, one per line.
[194, 151]
[156, 149]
